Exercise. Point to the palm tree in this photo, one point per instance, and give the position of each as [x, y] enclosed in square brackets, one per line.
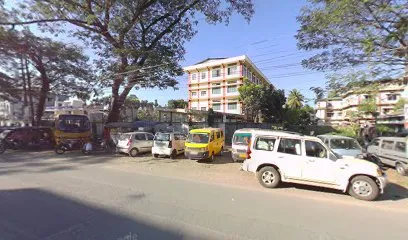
[295, 99]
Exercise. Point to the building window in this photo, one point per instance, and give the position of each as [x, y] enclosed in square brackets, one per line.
[216, 106]
[386, 110]
[193, 77]
[203, 93]
[194, 108]
[392, 97]
[203, 109]
[232, 82]
[232, 106]
[216, 72]
[232, 89]
[329, 114]
[232, 70]
[216, 84]
[339, 114]
[203, 75]
[244, 71]
[193, 94]
[216, 91]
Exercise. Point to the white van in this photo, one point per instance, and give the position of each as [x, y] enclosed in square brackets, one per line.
[240, 141]
[277, 157]
[168, 144]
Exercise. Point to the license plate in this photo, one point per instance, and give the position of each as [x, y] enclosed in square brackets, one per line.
[194, 151]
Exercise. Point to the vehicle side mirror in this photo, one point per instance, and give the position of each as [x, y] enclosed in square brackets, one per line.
[332, 157]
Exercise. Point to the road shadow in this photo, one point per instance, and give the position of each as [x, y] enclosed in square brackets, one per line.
[224, 158]
[393, 191]
[38, 214]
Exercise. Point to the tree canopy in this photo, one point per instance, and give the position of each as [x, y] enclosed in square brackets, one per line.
[48, 66]
[139, 44]
[180, 103]
[349, 33]
[262, 101]
[295, 99]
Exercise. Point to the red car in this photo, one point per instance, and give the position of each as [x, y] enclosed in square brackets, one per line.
[27, 137]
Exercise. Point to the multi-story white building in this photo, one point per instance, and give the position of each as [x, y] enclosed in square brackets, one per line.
[338, 111]
[214, 82]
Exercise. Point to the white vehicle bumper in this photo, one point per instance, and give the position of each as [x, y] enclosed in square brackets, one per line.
[383, 180]
[122, 150]
[161, 151]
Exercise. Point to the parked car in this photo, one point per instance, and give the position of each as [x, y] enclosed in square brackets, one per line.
[168, 144]
[390, 151]
[345, 146]
[204, 143]
[277, 157]
[27, 137]
[240, 142]
[133, 143]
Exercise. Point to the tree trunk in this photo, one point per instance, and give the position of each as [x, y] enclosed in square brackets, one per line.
[30, 94]
[23, 76]
[45, 88]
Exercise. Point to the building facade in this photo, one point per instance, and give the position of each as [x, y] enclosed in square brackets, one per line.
[214, 82]
[339, 111]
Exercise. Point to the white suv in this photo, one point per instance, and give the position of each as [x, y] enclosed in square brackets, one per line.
[279, 156]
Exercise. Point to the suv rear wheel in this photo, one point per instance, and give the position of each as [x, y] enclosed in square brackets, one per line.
[268, 177]
[363, 188]
[401, 170]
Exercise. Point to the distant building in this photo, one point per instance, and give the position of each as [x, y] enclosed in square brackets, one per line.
[338, 111]
[214, 82]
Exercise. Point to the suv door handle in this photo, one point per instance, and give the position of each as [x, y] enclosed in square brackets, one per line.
[280, 156]
[311, 160]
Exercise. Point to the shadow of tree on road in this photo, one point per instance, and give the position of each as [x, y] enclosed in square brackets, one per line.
[39, 214]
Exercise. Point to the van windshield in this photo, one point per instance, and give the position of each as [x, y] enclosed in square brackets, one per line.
[241, 139]
[198, 137]
[162, 137]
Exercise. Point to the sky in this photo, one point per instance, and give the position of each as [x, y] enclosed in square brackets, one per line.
[268, 40]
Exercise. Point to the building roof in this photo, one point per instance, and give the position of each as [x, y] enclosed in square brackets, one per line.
[212, 62]
[210, 59]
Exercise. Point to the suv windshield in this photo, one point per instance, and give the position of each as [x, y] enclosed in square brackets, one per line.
[241, 139]
[162, 137]
[198, 137]
[344, 144]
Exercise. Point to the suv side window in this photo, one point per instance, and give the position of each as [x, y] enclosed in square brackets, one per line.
[265, 143]
[315, 149]
[289, 146]
[387, 145]
[140, 137]
[150, 137]
[400, 146]
[222, 133]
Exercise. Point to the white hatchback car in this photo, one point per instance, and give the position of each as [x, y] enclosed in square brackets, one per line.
[286, 157]
[168, 144]
[134, 143]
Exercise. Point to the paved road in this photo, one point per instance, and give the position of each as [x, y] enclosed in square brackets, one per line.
[92, 198]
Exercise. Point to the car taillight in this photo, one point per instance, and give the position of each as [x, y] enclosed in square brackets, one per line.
[248, 154]
[170, 144]
[129, 142]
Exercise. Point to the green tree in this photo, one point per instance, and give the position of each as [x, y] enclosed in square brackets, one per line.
[179, 103]
[262, 101]
[52, 66]
[319, 93]
[295, 99]
[139, 43]
[400, 104]
[354, 32]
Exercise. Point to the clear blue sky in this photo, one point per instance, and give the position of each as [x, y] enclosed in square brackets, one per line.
[268, 40]
[269, 36]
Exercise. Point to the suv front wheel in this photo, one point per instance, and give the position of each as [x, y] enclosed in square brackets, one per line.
[363, 188]
[269, 177]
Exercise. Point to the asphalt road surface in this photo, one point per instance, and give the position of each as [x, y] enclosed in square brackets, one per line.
[62, 199]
